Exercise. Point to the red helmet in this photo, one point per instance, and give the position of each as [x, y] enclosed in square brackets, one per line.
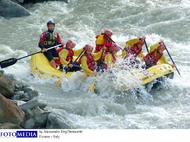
[108, 32]
[88, 47]
[142, 40]
[70, 44]
[162, 45]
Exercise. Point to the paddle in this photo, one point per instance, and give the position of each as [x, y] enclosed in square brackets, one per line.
[146, 45]
[12, 61]
[80, 55]
[171, 59]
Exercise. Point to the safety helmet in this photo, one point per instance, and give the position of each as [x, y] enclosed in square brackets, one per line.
[108, 32]
[70, 44]
[88, 47]
[142, 39]
[50, 22]
[162, 45]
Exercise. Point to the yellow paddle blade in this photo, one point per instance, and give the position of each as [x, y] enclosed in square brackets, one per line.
[58, 83]
[91, 87]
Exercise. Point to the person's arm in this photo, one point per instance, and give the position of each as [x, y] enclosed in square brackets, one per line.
[63, 56]
[59, 40]
[163, 60]
[97, 55]
[141, 55]
[84, 66]
[41, 41]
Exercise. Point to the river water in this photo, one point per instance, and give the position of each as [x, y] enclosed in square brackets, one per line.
[113, 106]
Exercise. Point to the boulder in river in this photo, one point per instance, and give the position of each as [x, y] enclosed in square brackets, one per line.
[25, 94]
[10, 9]
[35, 1]
[10, 112]
[56, 121]
[32, 104]
[7, 86]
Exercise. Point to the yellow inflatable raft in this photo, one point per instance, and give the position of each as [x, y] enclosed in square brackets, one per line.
[42, 68]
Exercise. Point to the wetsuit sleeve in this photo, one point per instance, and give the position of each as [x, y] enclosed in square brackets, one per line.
[84, 66]
[163, 60]
[41, 41]
[59, 40]
[77, 52]
[63, 56]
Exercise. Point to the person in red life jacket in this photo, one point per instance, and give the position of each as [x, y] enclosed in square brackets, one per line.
[103, 41]
[108, 57]
[48, 39]
[87, 61]
[133, 48]
[156, 55]
[66, 56]
[109, 50]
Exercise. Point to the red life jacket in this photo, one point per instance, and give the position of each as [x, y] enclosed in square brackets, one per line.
[153, 57]
[135, 50]
[70, 55]
[90, 62]
[105, 42]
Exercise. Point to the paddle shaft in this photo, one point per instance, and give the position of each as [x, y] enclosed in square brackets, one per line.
[12, 61]
[80, 55]
[172, 59]
[38, 52]
[146, 45]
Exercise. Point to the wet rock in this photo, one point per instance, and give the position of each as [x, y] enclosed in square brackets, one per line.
[18, 1]
[56, 121]
[9, 126]
[20, 95]
[26, 94]
[35, 1]
[7, 86]
[19, 103]
[40, 117]
[32, 104]
[10, 112]
[36, 118]
[29, 124]
[1, 72]
[10, 9]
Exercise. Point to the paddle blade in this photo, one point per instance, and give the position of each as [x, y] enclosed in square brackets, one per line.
[8, 62]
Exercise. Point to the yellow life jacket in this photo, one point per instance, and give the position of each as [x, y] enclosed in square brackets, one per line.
[154, 46]
[132, 42]
[100, 39]
[163, 59]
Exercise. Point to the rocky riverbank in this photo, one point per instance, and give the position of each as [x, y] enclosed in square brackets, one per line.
[20, 108]
[15, 8]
